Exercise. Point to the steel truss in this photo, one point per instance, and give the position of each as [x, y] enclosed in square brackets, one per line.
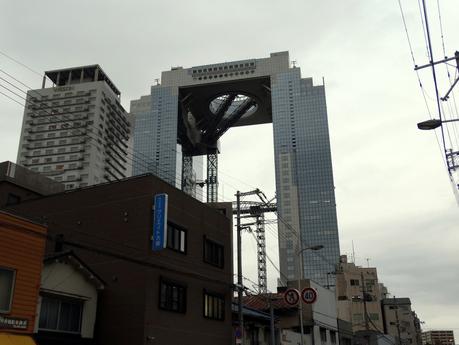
[212, 177]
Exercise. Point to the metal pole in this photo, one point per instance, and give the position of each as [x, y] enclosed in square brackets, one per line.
[300, 308]
[434, 75]
[271, 312]
[367, 326]
[397, 321]
[239, 266]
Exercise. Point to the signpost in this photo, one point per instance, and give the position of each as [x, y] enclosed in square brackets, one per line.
[159, 236]
[291, 296]
[238, 335]
[309, 295]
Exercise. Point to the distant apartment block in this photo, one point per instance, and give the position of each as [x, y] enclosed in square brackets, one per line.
[76, 131]
[442, 337]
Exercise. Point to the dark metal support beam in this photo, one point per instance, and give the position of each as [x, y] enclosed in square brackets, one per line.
[188, 185]
[212, 177]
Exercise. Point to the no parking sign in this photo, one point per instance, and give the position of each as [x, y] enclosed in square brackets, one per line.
[292, 296]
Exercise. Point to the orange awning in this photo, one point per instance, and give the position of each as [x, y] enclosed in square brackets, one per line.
[15, 339]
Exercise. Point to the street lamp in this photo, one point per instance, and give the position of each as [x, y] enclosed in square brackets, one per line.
[433, 123]
[300, 277]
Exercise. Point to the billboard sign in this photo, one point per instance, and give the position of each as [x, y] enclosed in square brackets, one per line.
[159, 222]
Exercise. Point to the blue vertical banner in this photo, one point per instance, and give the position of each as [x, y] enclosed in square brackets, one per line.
[159, 236]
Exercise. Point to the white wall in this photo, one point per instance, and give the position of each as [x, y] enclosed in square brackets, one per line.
[63, 279]
[324, 313]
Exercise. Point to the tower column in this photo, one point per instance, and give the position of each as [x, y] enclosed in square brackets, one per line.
[212, 177]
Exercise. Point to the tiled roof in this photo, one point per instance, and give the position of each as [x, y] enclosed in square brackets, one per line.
[261, 301]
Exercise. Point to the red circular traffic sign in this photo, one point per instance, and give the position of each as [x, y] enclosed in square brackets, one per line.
[291, 296]
[309, 295]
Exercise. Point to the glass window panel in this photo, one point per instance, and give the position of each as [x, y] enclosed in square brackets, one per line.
[49, 313]
[6, 289]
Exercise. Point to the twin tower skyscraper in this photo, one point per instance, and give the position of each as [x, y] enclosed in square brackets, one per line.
[182, 119]
[77, 132]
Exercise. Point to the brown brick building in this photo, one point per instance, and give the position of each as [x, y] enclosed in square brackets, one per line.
[180, 295]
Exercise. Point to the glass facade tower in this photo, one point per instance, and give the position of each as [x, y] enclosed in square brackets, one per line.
[274, 92]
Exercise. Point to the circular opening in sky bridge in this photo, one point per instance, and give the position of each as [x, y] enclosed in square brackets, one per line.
[234, 104]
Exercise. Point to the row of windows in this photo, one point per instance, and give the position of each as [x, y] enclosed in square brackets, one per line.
[213, 252]
[222, 68]
[56, 118]
[173, 297]
[58, 151]
[223, 75]
[56, 159]
[58, 168]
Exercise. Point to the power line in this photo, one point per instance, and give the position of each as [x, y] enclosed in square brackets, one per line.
[107, 251]
[137, 152]
[20, 63]
[11, 98]
[417, 72]
[146, 164]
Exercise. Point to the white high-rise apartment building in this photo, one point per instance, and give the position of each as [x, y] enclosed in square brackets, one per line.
[76, 131]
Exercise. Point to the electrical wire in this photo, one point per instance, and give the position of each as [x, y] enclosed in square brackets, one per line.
[136, 154]
[133, 152]
[64, 116]
[111, 252]
[20, 63]
[417, 72]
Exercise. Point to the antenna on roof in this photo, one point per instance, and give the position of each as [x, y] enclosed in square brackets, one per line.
[157, 81]
[293, 63]
[353, 252]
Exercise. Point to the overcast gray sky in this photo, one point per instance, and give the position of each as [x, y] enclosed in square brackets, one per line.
[393, 194]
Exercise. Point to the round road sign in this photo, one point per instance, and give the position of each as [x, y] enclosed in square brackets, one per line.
[309, 295]
[292, 296]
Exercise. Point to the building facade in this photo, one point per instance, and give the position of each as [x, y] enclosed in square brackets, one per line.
[171, 296]
[186, 115]
[440, 337]
[359, 296]
[320, 322]
[19, 276]
[18, 184]
[67, 304]
[76, 131]
[400, 320]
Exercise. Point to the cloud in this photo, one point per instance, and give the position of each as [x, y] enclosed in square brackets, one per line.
[394, 198]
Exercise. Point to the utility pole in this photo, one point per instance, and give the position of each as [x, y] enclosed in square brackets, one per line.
[240, 286]
[365, 313]
[271, 313]
[397, 322]
[300, 305]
